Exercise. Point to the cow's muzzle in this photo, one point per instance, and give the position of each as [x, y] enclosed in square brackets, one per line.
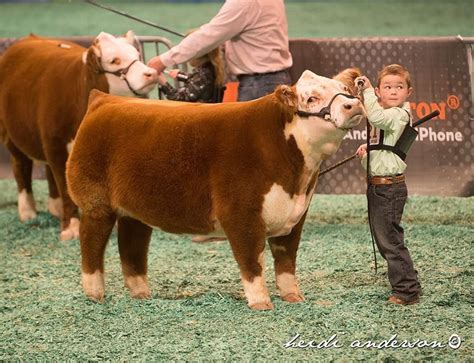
[325, 112]
[122, 74]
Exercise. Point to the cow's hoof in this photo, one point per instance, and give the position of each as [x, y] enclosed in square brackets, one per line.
[262, 306]
[93, 285]
[26, 206]
[55, 207]
[293, 298]
[138, 286]
[27, 215]
[141, 295]
[71, 231]
[99, 298]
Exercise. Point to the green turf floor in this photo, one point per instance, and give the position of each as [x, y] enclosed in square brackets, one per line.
[198, 312]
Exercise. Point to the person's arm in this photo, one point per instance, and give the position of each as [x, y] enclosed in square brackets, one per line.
[230, 21]
[384, 119]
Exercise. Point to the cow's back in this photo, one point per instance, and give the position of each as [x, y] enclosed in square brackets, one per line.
[43, 90]
[172, 157]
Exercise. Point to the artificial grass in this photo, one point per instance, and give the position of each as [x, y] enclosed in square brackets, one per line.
[198, 311]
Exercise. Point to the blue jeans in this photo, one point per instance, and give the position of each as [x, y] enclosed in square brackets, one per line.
[386, 204]
[252, 86]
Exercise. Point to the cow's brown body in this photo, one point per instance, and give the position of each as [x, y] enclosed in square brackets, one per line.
[43, 98]
[216, 170]
[44, 88]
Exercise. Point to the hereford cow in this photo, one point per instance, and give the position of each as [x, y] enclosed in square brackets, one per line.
[245, 171]
[44, 88]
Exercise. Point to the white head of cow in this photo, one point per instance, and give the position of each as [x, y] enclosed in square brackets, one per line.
[324, 112]
[119, 60]
[329, 100]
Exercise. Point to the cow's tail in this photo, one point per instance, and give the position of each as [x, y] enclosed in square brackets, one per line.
[347, 77]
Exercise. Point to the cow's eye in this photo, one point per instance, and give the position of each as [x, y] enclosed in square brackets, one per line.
[115, 61]
[313, 99]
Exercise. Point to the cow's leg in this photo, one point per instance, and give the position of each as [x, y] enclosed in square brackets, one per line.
[56, 157]
[95, 231]
[247, 239]
[133, 241]
[55, 203]
[22, 169]
[284, 251]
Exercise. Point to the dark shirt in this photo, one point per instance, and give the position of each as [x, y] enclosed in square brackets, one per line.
[199, 87]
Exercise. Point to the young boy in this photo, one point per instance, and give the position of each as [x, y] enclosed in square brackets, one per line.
[388, 113]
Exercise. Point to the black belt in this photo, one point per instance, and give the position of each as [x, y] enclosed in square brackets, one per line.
[240, 76]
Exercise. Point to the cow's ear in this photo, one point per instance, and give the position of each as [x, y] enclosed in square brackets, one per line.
[347, 77]
[287, 95]
[92, 60]
[130, 37]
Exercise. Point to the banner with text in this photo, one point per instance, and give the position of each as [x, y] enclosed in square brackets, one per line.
[440, 162]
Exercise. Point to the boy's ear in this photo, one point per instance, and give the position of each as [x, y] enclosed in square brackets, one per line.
[377, 91]
[410, 90]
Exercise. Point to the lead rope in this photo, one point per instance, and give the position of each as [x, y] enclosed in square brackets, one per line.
[359, 92]
[367, 194]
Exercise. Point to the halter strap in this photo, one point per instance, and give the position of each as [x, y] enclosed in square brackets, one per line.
[325, 112]
[122, 74]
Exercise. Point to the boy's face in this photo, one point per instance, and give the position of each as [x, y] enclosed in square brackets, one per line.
[393, 91]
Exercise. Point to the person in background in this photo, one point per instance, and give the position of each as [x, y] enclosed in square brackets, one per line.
[255, 36]
[204, 84]
[388, 113]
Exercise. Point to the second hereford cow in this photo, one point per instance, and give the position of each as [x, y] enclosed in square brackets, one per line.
[245, 171]
[44, 88]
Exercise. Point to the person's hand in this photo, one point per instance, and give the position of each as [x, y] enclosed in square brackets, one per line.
[173, 73]
[157, 64]
[361, 151]
[162, 79]
[364, 81]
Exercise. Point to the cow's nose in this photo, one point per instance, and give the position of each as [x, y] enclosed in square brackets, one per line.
[151, 75]
[347, 106]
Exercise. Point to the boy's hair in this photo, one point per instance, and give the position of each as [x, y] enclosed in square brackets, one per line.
[396, 70]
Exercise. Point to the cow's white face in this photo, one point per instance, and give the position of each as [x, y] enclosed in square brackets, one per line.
[317, 137]
[117, 54]
[316, 92]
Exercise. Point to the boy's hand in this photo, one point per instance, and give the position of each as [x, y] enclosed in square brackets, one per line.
[173, 73]
[162, 79]
[364, 81]
[361, 151]
[157, 64]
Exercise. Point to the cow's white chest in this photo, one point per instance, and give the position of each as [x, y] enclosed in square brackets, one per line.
[281, 212]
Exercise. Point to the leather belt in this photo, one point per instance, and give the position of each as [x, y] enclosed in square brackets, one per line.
[387, 180]
[240, 76]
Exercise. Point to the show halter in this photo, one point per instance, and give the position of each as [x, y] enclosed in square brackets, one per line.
[122, 74]
[325, 112]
